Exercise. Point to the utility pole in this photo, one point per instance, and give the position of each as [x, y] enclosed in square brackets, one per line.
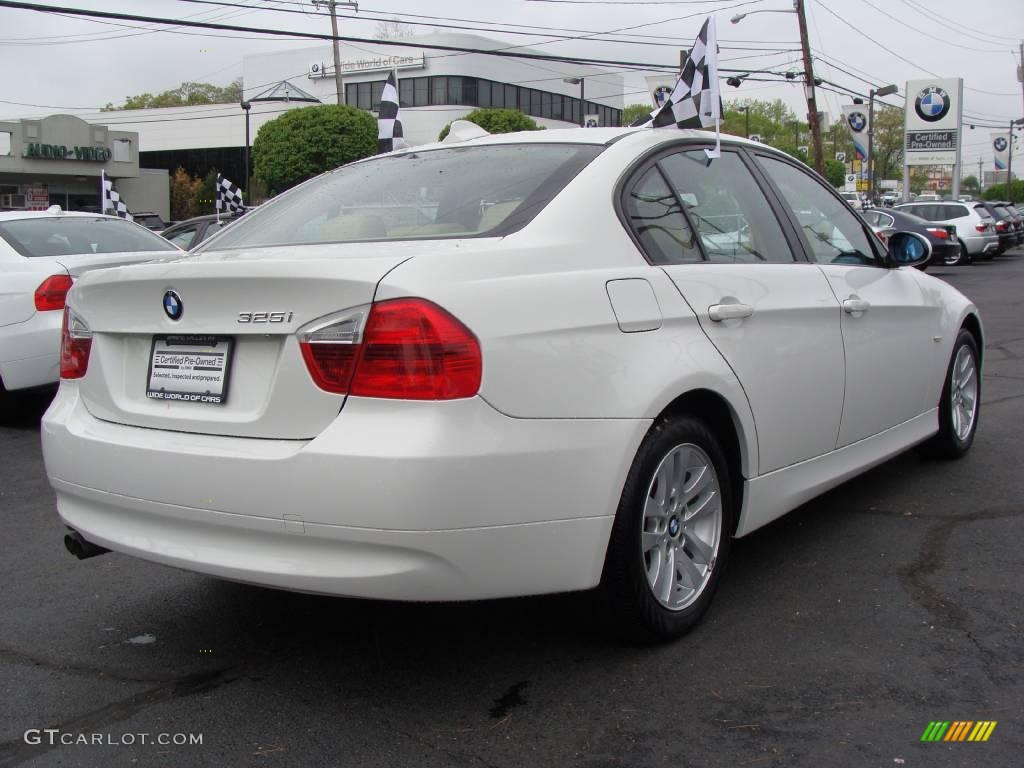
[332, 6]
[981, 177]
[812, 102]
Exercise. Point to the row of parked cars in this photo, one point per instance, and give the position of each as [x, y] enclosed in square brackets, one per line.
[959, 231]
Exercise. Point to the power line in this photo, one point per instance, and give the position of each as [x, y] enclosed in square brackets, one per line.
[932, 37]
[929, 12]
[317, 36]
[893, 53]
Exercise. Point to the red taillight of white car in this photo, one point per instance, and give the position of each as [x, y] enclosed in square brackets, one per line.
[938, 232]
[981, 227]
[408, 349]
[52, 292]
[75, 345]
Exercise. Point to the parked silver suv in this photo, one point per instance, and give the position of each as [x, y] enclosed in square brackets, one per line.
[975, 228]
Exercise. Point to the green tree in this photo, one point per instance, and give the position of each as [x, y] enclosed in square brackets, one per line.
[185, 95]
[497, 121]
[634, 112]
[206, 194]
[835, 172]
[969, 185]
[305, 142]
[918, 181]
[771, 120]
[887, 142]
[999, 191]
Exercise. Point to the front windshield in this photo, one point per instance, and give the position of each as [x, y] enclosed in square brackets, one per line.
[73, 235]
[442, 193]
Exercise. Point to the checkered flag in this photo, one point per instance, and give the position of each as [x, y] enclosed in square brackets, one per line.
[389, 119]
[229, 197]
[110, 200]
[696, 100]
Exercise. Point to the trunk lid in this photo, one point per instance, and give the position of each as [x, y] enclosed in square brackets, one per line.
[269, 392]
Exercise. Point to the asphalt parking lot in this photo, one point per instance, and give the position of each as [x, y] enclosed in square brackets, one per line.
[838, 634]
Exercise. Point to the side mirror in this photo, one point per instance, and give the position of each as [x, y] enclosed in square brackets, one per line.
[908, 249]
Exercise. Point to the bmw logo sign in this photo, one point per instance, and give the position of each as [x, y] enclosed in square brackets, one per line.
[932, 104]
[999, 144]
[857, 121]
[661, 94]
[173, 305]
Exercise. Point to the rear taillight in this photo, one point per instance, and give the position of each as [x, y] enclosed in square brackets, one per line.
[1001, 226]
[52, 293]
[75, 344]
[883, 235]
[408, 349]
[981, 227]
[938, 232]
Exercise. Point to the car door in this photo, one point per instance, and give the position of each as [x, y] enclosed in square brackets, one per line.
[890, 318]
[773, 318]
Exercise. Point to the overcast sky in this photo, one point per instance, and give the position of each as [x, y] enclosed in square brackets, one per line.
[60, 63]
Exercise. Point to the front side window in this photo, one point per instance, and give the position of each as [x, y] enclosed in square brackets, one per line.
[832, 232]
[72, 235]
[441, 193]
[733, 219]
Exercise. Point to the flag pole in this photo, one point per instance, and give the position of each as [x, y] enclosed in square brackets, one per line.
[103, 190]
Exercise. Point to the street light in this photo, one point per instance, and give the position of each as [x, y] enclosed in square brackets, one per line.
[1009, 159]
[746, 112]
[809, 79]
[246, 106]
[578, 81]
[885, 90]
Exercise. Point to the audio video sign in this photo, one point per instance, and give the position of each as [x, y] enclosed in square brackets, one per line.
[61, 152]
[933, 120]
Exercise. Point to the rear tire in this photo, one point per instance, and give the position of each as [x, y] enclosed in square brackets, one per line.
[960, 405]
[964, 259]
[672, 533]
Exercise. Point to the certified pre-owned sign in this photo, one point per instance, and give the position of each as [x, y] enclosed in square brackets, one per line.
[933, 120]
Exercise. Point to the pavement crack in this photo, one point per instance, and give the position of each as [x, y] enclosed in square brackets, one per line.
[25, 659]
[931, 557]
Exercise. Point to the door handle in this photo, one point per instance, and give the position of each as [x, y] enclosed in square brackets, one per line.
[720, 312]
[856, 305]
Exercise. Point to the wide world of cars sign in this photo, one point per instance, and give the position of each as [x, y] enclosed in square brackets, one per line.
[933, 120]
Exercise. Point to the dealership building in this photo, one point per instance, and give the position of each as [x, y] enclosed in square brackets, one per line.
[435, 87]
[57, 160]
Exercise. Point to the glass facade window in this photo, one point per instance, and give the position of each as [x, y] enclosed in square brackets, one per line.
[474, 92]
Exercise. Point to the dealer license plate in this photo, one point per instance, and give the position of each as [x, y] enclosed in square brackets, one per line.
[190, 369]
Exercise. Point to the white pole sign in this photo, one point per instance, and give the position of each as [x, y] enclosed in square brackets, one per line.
[933, 121]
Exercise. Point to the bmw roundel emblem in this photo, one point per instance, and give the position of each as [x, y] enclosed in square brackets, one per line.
[999, 144]
[662, 94]
[932, 104]
[857, 121]
[173, 305]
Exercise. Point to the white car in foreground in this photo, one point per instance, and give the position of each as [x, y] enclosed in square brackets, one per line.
[41, 255]
[523, 364]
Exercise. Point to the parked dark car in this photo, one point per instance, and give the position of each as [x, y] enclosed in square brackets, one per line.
[1004, 225]
[945, 247]
[149, 220]
[1015, 216]
[191, 232]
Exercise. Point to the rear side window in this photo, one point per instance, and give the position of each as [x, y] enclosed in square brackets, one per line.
[71, 235]
[473, 191]
[657, 219]
[953, 211]
[727, 208]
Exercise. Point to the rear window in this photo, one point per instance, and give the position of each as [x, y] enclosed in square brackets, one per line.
[441, 193]
[70, 235]
[983, 211]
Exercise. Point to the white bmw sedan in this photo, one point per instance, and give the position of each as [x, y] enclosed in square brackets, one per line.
[41, 255]
[522, 364]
